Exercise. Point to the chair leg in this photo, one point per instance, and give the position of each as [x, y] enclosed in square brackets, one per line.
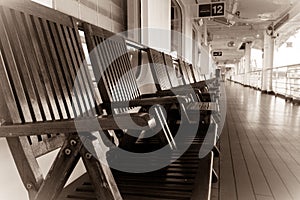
[216, 151]
[26, 163]
[61, 169]
[215, 176]
[100, 174]
[203, 180]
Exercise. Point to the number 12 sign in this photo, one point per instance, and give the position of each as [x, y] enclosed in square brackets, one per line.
[216, 9]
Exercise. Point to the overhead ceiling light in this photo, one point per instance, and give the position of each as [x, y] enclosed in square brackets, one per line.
[231, 44]
[265, 16]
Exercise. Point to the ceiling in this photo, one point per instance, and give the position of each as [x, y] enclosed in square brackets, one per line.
[247, 21]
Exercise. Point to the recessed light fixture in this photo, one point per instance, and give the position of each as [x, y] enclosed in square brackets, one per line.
[231, 44]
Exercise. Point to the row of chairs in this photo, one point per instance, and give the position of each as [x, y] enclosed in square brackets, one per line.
[132, 146]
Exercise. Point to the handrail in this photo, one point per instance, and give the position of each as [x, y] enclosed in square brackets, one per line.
[285, 80]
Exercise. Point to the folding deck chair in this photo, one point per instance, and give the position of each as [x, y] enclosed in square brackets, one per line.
[40, 56]
[112, 67]
[206, 86]
[162, 68]
[51, 102]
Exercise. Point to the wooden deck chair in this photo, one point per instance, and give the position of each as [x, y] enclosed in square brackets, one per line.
[206, 86]
[40, 57]
[117, 84]
[163, 84]
[170, 65]
[204, 94]
[162, 69]
[187, 177]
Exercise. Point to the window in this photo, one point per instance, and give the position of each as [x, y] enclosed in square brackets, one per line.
[176, 27]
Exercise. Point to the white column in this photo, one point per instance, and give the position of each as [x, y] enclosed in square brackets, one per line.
[156, 24]
[267, 63]
[134, 20]
[247, 63]
[236, 68]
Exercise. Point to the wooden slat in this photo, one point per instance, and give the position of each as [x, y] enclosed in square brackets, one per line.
[195, 73]
[39, 86]
[120, 121]
[183, 71]
[79, 66]
[175, 181]
[40, 46]
[203, 179]
[17, 41]
[189, 72]
[14, 76]
[47, 144]
[100, 173]
[111, 67]
[128, 70]
[259, 143]
[52, 63]
[79, 106]
[96, 59]
[171, 70]
[65, 84]
[227, 182]
[41, 54]
[158, 70]
[63, 164]
[122, 66]
[12, 103]
[26, 164]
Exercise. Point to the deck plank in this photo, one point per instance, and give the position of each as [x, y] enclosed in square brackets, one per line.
[227, 180]
[260, 147]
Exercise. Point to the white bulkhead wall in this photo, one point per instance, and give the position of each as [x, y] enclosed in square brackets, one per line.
[202, 58]
[107, 14]
[155, 33]
[187, 25]
[156, 24]
[156, 15]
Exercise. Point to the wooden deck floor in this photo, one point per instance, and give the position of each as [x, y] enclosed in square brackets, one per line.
[260, 147]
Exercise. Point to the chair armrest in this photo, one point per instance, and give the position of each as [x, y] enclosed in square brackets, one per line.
[151, 101]
[132, 121]
[180, 90]
[200, 84]
[165, 100]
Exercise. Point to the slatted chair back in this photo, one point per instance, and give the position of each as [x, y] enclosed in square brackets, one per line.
[40, 55]
[179, 63]
[159, 70]
[163, 71]
[117, 83]
[178, 71]
[171, 70]
[183, 71]
[195, 71]
[159, 63]
[39, 61]
[190, 73]
[41, 74]
[196, 78]
[112, 66]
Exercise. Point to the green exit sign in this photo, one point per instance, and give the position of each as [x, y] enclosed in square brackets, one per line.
[216, 9]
